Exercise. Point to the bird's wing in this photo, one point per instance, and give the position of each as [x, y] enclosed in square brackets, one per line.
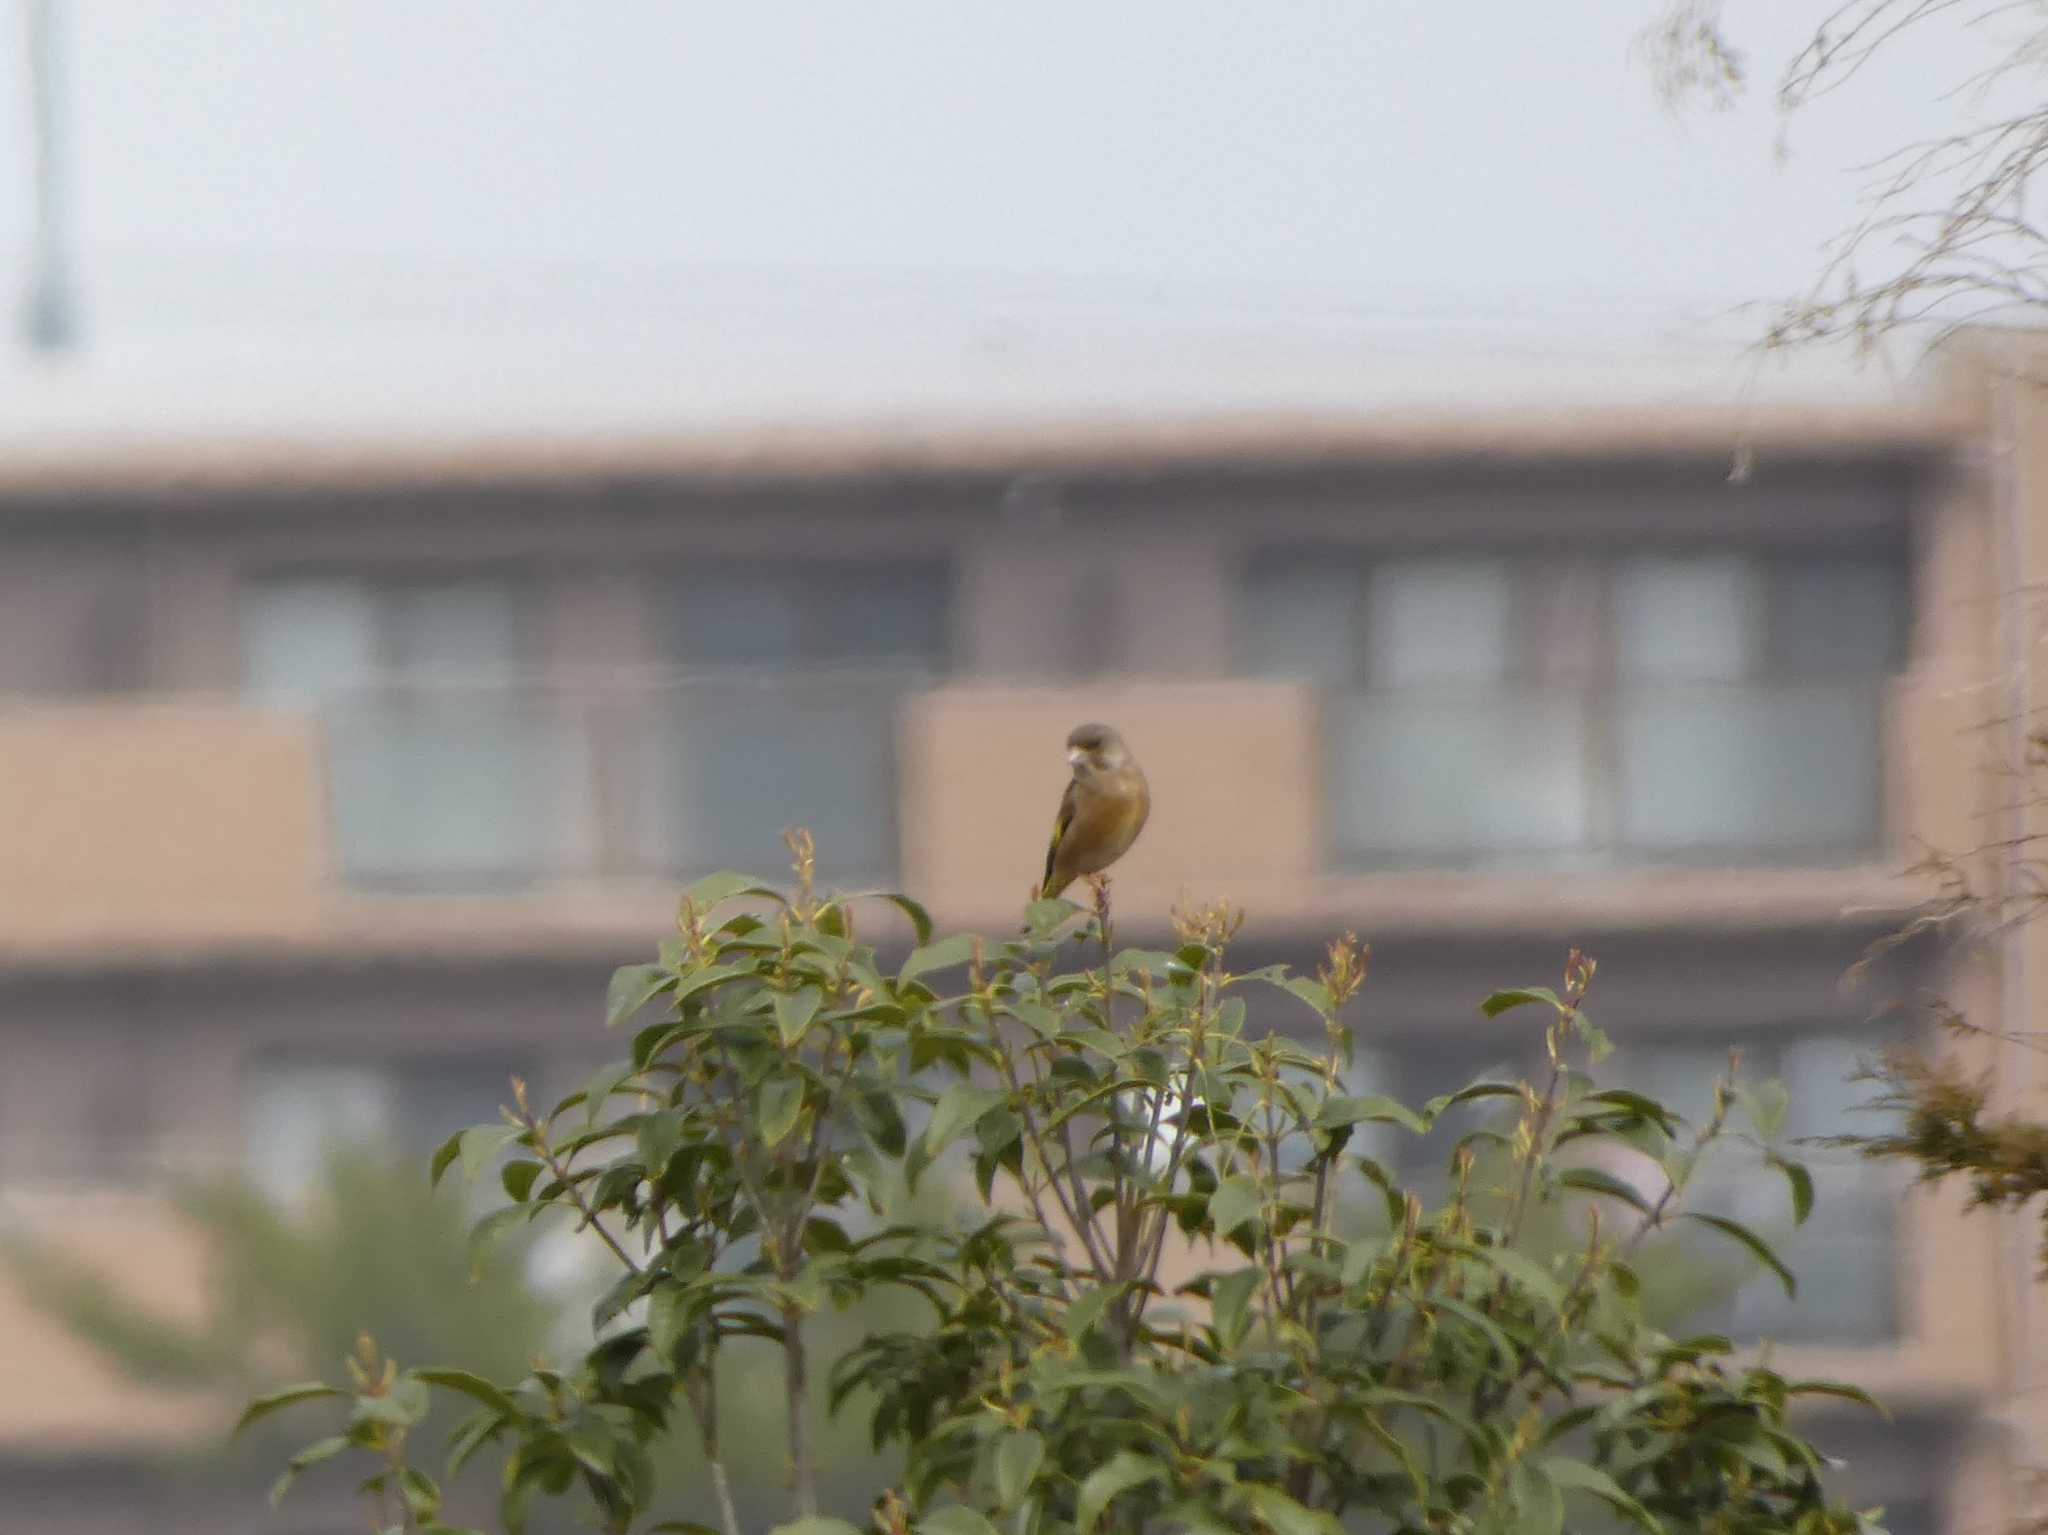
[1070, 802]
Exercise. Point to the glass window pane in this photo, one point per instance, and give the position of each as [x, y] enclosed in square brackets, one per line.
[1686, 616]
[300, 1113]
[304, 639]
[1682, 1077]
[1844, 1256]
[743, 762]
[1301, 622]
[1834, 617]
[451, 789]
[1818, 1071]
[460, 632]
[736, 615]
[1432, 1071]
[1094, 630]
[1455, 774]
[439, 1095]
[1439, 621]
[1779, 768]
[878, 615]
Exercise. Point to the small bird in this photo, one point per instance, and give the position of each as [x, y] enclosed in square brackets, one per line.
[1102, 811]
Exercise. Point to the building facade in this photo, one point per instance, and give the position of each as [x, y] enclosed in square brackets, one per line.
[333, 784]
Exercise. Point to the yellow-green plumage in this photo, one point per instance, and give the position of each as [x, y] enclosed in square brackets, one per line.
[1101, 813]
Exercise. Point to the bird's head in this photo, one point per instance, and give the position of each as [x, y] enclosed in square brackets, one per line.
[1096, 749]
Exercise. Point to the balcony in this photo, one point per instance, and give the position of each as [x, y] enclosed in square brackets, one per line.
[529, 810]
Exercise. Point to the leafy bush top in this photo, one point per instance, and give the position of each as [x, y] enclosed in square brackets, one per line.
[1178, 1296]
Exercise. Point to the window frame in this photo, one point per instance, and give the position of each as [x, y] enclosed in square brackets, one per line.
[1562, 649]
[387, 588]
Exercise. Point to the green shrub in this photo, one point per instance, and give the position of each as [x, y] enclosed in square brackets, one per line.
[1172, 1296]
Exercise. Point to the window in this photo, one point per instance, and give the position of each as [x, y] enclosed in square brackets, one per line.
[1652, 707]
[1845, 1254]
[785, 711]
[298, 1114]
[300, 1111]
[442, 770]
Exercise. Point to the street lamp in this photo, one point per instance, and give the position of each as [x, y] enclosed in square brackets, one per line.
[49, 318]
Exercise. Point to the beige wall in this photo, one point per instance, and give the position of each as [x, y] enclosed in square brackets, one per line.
[126, 822]
[56, 1393]
[1232, 766]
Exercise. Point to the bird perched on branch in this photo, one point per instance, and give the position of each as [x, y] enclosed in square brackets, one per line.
[1102, 811]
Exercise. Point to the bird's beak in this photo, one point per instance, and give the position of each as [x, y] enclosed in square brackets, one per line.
[1075, 757]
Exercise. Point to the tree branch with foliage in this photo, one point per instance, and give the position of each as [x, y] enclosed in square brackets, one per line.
[1945, 236]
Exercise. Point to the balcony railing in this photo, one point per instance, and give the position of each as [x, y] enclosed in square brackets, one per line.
[504, 787]
[507, 787]
[1753, 772]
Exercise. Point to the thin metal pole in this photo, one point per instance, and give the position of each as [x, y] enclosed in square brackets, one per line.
[49, 320]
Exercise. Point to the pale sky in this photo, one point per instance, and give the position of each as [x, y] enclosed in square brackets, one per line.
[464, 215]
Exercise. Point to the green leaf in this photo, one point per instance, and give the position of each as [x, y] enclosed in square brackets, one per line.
[632, 988]
[781, 1105]
[666, 1319]
[1230, 1304]
[816, 1524]
[474, 1387]
[959, 1106]
[1019, 1454]
[1283, 1516]
[716, 889]
[1088, 1307]
[1838, 1389]
[422, 1497]
[1314, 993]
[311, 1455]
[518, 1179]
[1043, 918]
[794, 1011]
[956, 1519]
[1358, 1261]
[1114, 1477]
[1802, 1187]
[1235, 1201]
[1037, 1017]
[1472, 1092]
[1520, 1268]
[404, 1405]
[1749, 1239]
[943, 955]
[1338, 1112]
[485, 1233]
[1766, 1104]
[1536, 1501]
[479, 1146]
[1596, 1181]
[597, 1093]
[1577, 1476]
[1519, 996]
[290, 1396]
[920, 919]
[881, 1121]
[1636, 1104]
[658, 1137]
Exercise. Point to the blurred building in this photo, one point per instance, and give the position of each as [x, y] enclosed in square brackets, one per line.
[333, 783]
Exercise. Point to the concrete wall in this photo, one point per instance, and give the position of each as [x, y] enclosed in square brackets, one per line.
[124, 824]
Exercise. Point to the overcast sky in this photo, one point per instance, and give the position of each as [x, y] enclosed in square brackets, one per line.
[402, 214]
